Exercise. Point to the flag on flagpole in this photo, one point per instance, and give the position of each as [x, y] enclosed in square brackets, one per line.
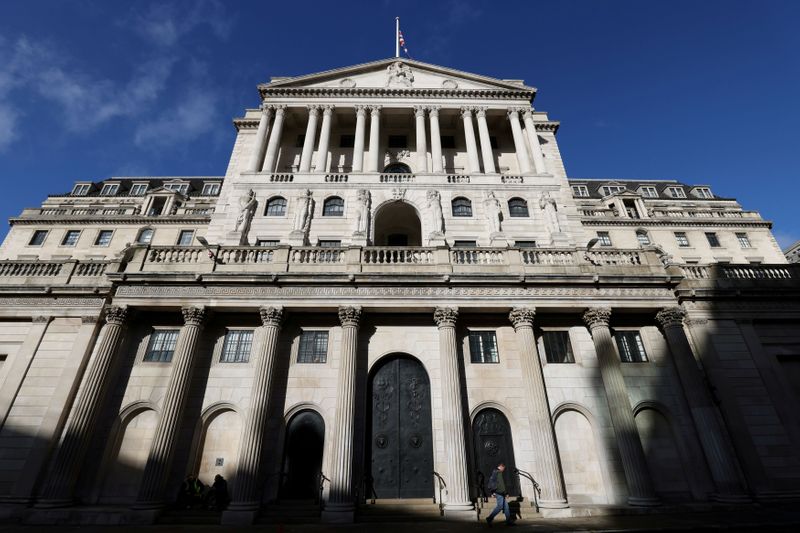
[402, 42]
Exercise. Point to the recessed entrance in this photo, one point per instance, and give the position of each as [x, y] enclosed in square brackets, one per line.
[400, 462]
[397, 224]
[491, 435]
[397, 168]
[302, 463]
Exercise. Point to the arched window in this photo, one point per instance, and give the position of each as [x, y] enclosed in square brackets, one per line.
[145, 236]
[333, 207]
[517, 207]
[276, 207]
[462, 207]
[642, 237]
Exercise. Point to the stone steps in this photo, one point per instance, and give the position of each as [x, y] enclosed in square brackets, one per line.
[194, 517]
[399, 510]
[290, 512]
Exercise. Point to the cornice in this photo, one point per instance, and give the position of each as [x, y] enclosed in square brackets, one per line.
[373, 92]
[646, 222]
[109, 219]
[245, 123]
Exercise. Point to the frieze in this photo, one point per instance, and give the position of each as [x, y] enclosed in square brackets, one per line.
[676, 221]
[394, 92]
[50, 302]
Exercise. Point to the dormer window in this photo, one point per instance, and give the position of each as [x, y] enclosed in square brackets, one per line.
[109, 189]
[703, 192]
[182, 188]
[81, 189]
[607, 190]
[138, 189]
[676, 192]
[580, 191]
[211, 189]
[648, 191]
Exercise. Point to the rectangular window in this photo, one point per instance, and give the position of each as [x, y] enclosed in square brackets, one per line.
[82, 189]
[161, 346]
[603, 238]
[448, 142]
[581, 191]
[682, 239]
[465, 244]
[71, 238]
[649, 192]
[525, 244]
[182, 188]
[301, 140]
[557, 347]
[744, 240]
[145, 236]
[631, 348]
[38, 237]
[330, 244]
[267, 242]
[347, 141]
[483, 347]
[236, 349]
[313, 347]
[713, 241]
[185, 238]
[210, 189]
[398, 141]
[676, 192]
[703, 192]
[138, 189]
[611, 189]
[630, 208]
[109, 189]
[103, 237]
[643, 238]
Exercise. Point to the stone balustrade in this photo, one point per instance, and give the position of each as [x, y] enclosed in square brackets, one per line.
[741, 272]
[72, 272]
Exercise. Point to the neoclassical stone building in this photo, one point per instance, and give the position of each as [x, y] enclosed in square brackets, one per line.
[394, 287]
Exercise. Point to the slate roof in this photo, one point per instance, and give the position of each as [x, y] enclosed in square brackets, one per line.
[594, 185]
[195, 185]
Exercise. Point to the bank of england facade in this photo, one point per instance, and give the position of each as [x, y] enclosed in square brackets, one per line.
[394, 286]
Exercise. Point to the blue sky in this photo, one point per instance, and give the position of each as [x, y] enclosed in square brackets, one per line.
[700, 91]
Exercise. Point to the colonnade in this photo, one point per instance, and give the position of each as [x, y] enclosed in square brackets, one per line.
[60, 484]
[480, 157]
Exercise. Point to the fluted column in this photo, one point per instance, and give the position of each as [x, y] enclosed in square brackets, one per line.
[308, 142]
[60, 483]
[374, 139]
[422, 145]
[519, 142]
[486, 142]
[452, 412]
[151, 490]
[274, 139]
[640, 486]
[260, 144]
[436, 140]
[358, 142]
[719, 455]
[340, 500]
[324, 139]
[533, 140]
[542, 432]
[469, 136]
[246, 487]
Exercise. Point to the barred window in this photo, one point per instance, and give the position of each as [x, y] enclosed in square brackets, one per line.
[631, 348]
[744, 241]
[557, 347]
[333, 207]
[517, 207]
[161, 346]
[483, 347]
[276, 207]
[236, 349]
[313, 347]
[643, 238]
[462, 207]
[682, 239]
[603, 238]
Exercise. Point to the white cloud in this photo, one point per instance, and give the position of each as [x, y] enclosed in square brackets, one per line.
[193, 117]
[165, 24]
[8, 126]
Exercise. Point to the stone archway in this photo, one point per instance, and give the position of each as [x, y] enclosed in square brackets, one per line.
[302, 463]
[397, 224]
[491, 436]
[397, 168]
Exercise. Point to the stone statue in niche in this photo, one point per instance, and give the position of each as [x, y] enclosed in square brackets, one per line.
[435, 206]
[492, 205]
[400, 75]
[247, 208]
[362, 212]
[302, 217]
[548, 205]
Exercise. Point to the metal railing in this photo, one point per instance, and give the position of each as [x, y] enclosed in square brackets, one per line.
[537, 491]
[322, 480]
[441, 486]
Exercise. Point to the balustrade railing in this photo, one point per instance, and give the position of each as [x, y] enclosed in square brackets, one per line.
[175, 254]
[542, 256]
[30, 268]
[316, 256]
[397, 178]
[245, 255]
[398, 256]
[477, 256]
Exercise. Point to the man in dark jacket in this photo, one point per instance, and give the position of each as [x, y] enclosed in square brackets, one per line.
[497, 487]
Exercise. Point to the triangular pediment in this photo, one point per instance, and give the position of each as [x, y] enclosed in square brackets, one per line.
[397, 73]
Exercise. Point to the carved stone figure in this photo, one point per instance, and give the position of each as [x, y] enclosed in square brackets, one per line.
[435, 206]
[247, 208]
[362, 212]
[302, 218]
[548, 205]
[400, 75]
[492, 205]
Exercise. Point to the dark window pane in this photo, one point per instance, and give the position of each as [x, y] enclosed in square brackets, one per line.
[313, 347]
[631, 348]
[38, 237]
[517, 207]
[483, 347]
[557, 347]
[276, 207]
[161, 346]
[347, 141]
[493, 142]
[462, 207]
[448, 141]
[465, 244]
[301, 139]
[237, 346]
[333, 207]
[525, 244]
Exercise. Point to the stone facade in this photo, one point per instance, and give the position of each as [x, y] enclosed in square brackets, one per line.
[621, 342]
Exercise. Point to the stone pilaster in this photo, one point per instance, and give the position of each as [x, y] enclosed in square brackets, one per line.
[716, 447]
[486, 141]
[60, 483]
[151, 490]
[340, 506]
[260, 144]
[519, 142]
[469, 136]
[245, 499]
[308, 142]
[640, 486]
[358, 142]
[533, 140]
[274, 139]
[436, 140]
[458, 500]
[548, 470]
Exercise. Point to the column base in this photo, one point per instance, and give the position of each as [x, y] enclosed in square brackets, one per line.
[639, 501]
[464, 511]
[553, 504]
[732, 498]
[338, 513]
[54, 503]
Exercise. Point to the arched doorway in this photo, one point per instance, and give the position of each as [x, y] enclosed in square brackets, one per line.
[491, 436]
[219, 447]
[397, 224]
[302, 457]
[397, 168]
[400, 445]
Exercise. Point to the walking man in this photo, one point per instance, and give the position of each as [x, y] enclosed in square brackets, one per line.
[497, 487]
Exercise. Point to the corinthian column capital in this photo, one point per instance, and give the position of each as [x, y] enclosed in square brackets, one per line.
[522, 316]
[419, 110]
[313, 110]
[116, 315]
[433, 110]
[361, 110]
[327, 109]
[193, 316]
[480, 112]
[671, 317]
[597, 316]
[271, 316]
[466, 112]
[350, 315]
[280, 109]
[513, 112]
[375, 110]
[445, 317]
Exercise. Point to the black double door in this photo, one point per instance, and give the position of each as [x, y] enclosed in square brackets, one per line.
[305, 437]
[491, 436]
[401, 439]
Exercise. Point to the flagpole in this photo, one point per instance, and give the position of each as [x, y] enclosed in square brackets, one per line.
[397, 37]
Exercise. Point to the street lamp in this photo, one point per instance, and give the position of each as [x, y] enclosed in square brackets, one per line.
[211, 254]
